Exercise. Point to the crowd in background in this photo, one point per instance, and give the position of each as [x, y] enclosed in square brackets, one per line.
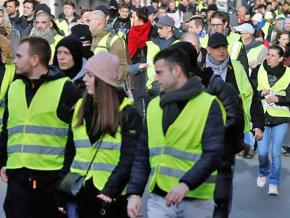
[245, 43]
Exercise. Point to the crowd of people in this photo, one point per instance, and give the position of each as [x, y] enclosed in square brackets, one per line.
[130, 95]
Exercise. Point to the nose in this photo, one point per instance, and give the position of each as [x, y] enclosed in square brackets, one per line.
[85, 78]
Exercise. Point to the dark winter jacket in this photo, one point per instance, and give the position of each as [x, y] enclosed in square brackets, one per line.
[212, 140]
[23, 26]
[121, 25]
[234, 126]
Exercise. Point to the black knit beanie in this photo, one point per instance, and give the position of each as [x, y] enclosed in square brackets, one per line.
[74, 45]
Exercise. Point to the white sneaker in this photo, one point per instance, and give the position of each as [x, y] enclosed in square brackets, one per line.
[273, 190]
[261, 181]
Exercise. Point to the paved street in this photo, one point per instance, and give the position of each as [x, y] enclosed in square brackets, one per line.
[248, 200]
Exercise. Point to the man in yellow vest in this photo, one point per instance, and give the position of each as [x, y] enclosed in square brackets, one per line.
[45, 27]
[262, 24]
[233, 72]
[165, 38]
[181, 146]
[106, 41]
[219, 23]
[256, 51]
[68, 18]
[36, 148]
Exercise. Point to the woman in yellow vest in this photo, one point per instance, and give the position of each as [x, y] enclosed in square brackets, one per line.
[273, 84]
[104, 123]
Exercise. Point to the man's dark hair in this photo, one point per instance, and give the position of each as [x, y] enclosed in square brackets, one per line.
[69, 2]
[220, 15]
[173, 56]
[263, 6]
[33, 2]
[16, 2]
[163, 6]
[40, 47]
[124, 5]
[142, 14]
[154, 1]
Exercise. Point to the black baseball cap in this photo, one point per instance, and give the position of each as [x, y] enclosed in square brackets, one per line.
[217, 39]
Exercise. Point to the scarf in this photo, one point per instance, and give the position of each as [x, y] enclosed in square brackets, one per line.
[173, 102]
[274, 73]
[218, 68]
[137, 37]
[260, 25]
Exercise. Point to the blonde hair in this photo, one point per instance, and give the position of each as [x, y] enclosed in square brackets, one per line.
[7, 51]
[7, 24]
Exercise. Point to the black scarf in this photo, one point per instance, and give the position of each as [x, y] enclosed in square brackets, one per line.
[173, 102]
[275, 73]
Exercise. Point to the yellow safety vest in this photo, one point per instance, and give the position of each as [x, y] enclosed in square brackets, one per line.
[7, 80]
[52, 46]
[106, 43]
[254, 53]
[265, 29]
[246, 92]
[279, 88]
[107, 157]
[36, 136]
[63, 25]
[176, 152]
[152, 50]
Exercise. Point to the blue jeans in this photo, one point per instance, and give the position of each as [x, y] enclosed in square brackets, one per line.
[249, 139]
[274, 136]
[72, 210]
[156, 208]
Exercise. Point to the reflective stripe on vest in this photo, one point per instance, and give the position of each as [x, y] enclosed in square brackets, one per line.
[102, 45]
[35, 149]
[279, 88]
[38, 130]
[179, 173]
[105, 145]
[7, 80]
[246, 92]
[36, 136]
[108, 154]
[172, 155]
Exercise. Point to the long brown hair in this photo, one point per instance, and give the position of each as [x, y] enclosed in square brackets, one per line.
[105, 109]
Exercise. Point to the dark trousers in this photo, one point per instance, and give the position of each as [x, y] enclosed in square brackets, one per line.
[224, 191]
[139, 92]
[31, 194]
[89, 206]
